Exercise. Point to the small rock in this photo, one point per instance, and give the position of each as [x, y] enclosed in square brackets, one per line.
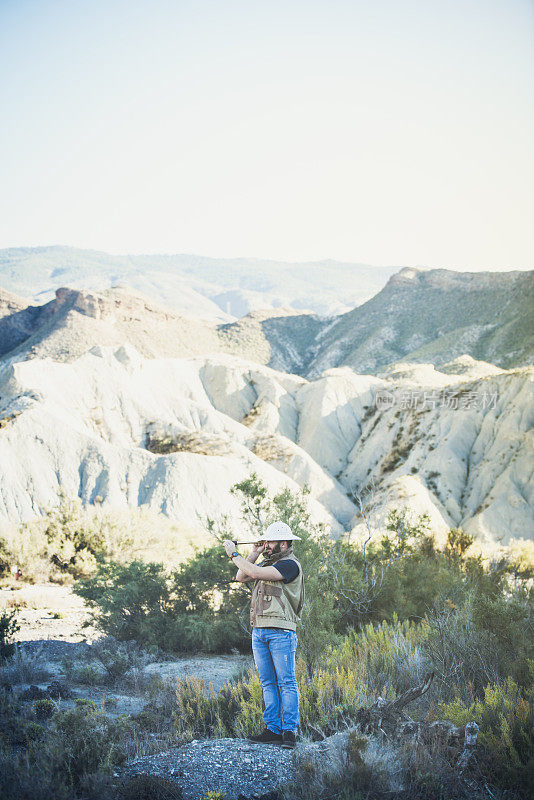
[33, 693]
[57, 689]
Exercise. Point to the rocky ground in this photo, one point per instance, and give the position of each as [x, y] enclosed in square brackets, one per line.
[234, 767]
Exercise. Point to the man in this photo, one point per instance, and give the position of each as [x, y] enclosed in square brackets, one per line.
[275, 610]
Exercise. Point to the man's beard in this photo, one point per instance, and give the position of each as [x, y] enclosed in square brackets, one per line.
[276, 549]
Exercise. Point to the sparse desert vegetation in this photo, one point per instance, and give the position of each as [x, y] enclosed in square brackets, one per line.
[66, 541]
[379, 618]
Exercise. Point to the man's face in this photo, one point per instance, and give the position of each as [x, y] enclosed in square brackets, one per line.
[274, 547]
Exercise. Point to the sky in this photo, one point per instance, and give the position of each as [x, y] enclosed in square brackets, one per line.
[386, 132]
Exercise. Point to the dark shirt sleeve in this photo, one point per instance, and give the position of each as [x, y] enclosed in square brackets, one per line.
[289, 569]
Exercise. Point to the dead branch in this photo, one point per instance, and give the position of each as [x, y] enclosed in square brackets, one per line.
[386, 717]
[412, 694]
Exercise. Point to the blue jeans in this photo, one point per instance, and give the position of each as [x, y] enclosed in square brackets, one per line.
[274, 653]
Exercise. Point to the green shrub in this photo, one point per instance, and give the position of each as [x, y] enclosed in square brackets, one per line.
[6, 558]
[83, 739]
[118, 657]
[72, 539]
[8, 628]
[85, 703]
[77, 749]
[506, 718]
[132, 601]
[26, 666]
[11, 720]
[481, 641]
[53, 762]
[92, 674]
[175, 611]
[65, 542]
[43, 709]
[33, 731]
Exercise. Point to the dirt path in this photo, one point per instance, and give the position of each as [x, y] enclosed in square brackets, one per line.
[47, 611]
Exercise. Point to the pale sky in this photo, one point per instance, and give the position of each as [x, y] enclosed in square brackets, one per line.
[393, 132]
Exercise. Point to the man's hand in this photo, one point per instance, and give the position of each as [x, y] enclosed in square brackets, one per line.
[257, 548]
[229, 546]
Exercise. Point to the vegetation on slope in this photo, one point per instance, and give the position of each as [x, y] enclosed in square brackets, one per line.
[486, 315]
[379, 615]
[436, 316]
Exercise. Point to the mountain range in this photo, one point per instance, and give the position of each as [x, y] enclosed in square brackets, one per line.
[426, 317]
[422, 396]
[195, 286]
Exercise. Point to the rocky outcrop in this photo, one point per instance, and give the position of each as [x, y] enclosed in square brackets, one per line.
[75, 321]
[10, 303]
[235, 768]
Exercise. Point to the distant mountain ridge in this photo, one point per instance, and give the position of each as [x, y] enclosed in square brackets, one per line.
[419, 316]
[217, 289]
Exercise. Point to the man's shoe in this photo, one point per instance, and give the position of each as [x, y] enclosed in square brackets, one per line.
[266, 737]
[289, 740]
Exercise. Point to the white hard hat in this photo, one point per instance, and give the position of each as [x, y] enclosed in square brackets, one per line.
[276, 532]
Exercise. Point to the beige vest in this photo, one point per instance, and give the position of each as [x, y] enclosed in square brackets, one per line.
[275, 604]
